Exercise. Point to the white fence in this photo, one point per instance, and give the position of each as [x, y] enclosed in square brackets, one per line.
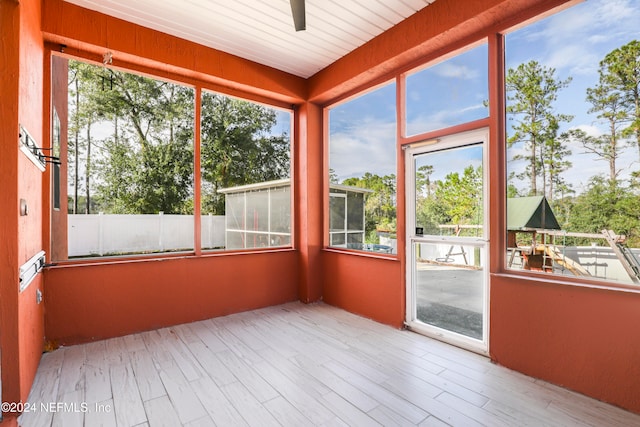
[120, 234]
[600, 261]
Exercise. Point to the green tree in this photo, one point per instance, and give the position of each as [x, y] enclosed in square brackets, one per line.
[147, 165]
[620, 74]
[554, 162]
[238, 148]
[85, 111]
[563, 204]
[333, 176]
[532, 90]
[460, 197]
[423, 180]
[380, 206]
[604, 206]
[512, 189]
[607, 103]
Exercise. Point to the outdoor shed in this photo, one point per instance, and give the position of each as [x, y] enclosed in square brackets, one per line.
[528, 215]
[258, 215]
[530, 212]
[346, 220]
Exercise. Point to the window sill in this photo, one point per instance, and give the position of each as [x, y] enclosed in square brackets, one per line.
[85, 262]
[375, 255]
[549, 279]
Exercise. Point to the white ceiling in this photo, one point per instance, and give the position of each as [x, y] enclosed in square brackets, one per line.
[262, 30]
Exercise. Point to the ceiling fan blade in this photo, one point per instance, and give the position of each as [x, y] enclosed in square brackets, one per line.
[299, 16]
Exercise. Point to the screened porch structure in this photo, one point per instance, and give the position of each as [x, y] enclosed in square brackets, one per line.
[297, 319]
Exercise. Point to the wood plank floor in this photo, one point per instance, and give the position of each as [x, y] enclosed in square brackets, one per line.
[294, 365]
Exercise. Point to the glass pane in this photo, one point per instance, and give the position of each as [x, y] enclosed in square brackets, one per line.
[257, 240]
[338, 239]
[449, 192]
[55, 140]
[125, 182]
[258, 210]
[235, 240]
[573, 143]
[355, 238]
[355, 211]
[362, 156]
[235, 211]
[281, 240]
[212, 231]
[281, 210]
[449, 93]
[245, 156]
[449, 282]
[337, 208]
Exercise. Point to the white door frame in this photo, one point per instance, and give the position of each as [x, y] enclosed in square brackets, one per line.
[446, 142]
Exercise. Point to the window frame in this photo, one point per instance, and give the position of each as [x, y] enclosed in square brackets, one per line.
[503, 269]
[327, 238]
[198, 86]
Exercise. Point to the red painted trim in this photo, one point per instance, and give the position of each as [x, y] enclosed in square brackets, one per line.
[167, 74]
[497, 155]
[309, 196]
[9, 119]
[47, 142]
[197, 179]
[401, 191]
[464, 127]
[429, 33]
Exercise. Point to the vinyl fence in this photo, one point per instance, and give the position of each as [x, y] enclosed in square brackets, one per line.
[101, 234]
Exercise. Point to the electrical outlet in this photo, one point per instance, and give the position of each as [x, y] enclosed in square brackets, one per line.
[24, 208]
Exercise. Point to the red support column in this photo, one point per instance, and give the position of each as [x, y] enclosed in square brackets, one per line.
[309, 204]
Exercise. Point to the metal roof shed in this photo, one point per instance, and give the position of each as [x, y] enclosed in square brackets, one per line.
[530, 213]
[258, 215]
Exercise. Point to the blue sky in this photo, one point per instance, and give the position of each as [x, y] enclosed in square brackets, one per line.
[448, 93]
[573, 42]
[362, 131]
[449, 161]
[363, 134]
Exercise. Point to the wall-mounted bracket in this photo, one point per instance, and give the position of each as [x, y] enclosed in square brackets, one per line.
[30, 269]
[30, 147]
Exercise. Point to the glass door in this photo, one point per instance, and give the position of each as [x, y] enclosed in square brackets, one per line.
[447, 244]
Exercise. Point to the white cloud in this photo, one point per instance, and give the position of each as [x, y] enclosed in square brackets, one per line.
[450, 70]
[577, 58]
[370, 147]
[441, 119]
[414, 95]
[590, 130]
[569, 37]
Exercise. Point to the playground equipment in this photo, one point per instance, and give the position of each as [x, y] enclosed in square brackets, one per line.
[457, 228]
[533, 216]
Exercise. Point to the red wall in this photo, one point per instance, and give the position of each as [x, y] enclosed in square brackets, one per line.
[89, 302]
[581, 338]
[21, 318]
[371, 287]
[9, 88]
[308, 190]
[30, 184]
[144, 294]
